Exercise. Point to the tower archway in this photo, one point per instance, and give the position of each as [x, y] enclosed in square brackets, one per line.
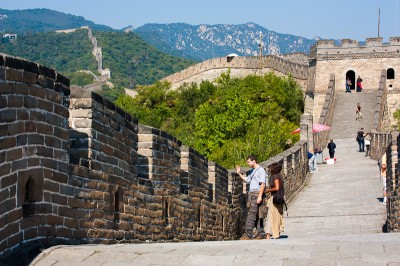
[352, 75]
[390, 73]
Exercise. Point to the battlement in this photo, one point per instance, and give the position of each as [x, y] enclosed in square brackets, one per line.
[212, 68]
[75, 168]
[349, 47]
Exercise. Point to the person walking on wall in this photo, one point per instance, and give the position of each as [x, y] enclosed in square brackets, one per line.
[257, 181]
[360, 140]
[358, 112]
[312, 165]
[383, 167]
[331, 148]
[274, 221]
[348, 85]
[358, 84]
[367, 144]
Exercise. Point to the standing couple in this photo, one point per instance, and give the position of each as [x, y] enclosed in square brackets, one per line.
[258, 200]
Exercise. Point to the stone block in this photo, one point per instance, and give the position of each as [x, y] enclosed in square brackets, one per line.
[29, 77]
[13, 75]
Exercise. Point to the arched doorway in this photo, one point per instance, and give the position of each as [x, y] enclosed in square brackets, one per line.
[390, 73]
[352, 75]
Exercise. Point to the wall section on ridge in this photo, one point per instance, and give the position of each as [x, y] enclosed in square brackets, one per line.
[76, 169]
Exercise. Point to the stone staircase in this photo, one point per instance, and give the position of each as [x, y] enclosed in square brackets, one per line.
[344, 124]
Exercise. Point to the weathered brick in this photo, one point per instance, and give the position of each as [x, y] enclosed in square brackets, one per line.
[15, 101]
[48, 72]
[35, 139]
[14, 240]
[14, 75]
[51, 186]
[54, 220]
[13, 62]
[66, 211]
[30, 233]
[29, 222]
[30, 66]
[46, 81]
[63, 80]
[29, 77]
[71, 223]
[14, 154]
[45, 105]
[8, 115]
[3, 101]
[7, 88]
[10, 229]
[45, 129]
[60, 200]
[75, 203]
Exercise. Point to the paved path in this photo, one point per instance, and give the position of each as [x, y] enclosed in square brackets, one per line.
[336, 220]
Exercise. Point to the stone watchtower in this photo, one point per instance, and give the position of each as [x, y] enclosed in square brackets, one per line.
[351, 59]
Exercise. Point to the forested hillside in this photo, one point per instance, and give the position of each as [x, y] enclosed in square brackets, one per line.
[43, 20]
[225, 121]
[132, 61]
[129, 58]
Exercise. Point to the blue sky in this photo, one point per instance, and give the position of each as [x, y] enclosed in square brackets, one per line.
[338, 19]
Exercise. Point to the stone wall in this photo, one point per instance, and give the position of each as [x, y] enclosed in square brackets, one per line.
[239, 67]
[34, 162]
[392, 184]
[389, 143]
[326, 115]
[76, 169]
[381, 119]
[380, 141]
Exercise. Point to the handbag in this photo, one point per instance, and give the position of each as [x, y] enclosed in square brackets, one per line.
[278, 200]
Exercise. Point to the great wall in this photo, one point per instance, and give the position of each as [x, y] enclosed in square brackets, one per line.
[76, 169]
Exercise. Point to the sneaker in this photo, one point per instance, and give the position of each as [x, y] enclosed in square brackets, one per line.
[384, 203]
[245, 237]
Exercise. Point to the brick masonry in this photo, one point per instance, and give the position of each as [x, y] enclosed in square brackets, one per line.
[76, 169]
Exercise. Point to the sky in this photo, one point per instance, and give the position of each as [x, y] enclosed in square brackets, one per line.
[328, 19]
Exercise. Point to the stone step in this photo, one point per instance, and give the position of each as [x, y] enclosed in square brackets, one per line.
[344, 124]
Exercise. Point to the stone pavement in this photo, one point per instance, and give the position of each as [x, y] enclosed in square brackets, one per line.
[336, 220]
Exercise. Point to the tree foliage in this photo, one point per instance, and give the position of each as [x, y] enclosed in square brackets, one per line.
[132, 61]
[396, 116]
[226, 120]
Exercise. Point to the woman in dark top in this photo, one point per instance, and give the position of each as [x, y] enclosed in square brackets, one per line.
[274, 221]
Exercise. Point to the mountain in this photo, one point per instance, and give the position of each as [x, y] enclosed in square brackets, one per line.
[194, 42]
[203, 42]
[42, 20]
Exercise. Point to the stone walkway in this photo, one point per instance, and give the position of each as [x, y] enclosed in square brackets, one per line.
[336, 220]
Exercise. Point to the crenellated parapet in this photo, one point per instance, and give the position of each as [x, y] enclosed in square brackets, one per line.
[240, 66]
[348, 48]
[34, 160]
[77, 169]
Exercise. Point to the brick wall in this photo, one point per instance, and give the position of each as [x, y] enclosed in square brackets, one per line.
[392, 184]
[34, 162]
[240, 67]
[76, 169]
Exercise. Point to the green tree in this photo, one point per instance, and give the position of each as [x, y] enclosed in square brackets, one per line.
[226, 120]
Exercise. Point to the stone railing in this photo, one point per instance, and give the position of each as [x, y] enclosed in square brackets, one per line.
[392, 184]
[321, 138]
[381, 120]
